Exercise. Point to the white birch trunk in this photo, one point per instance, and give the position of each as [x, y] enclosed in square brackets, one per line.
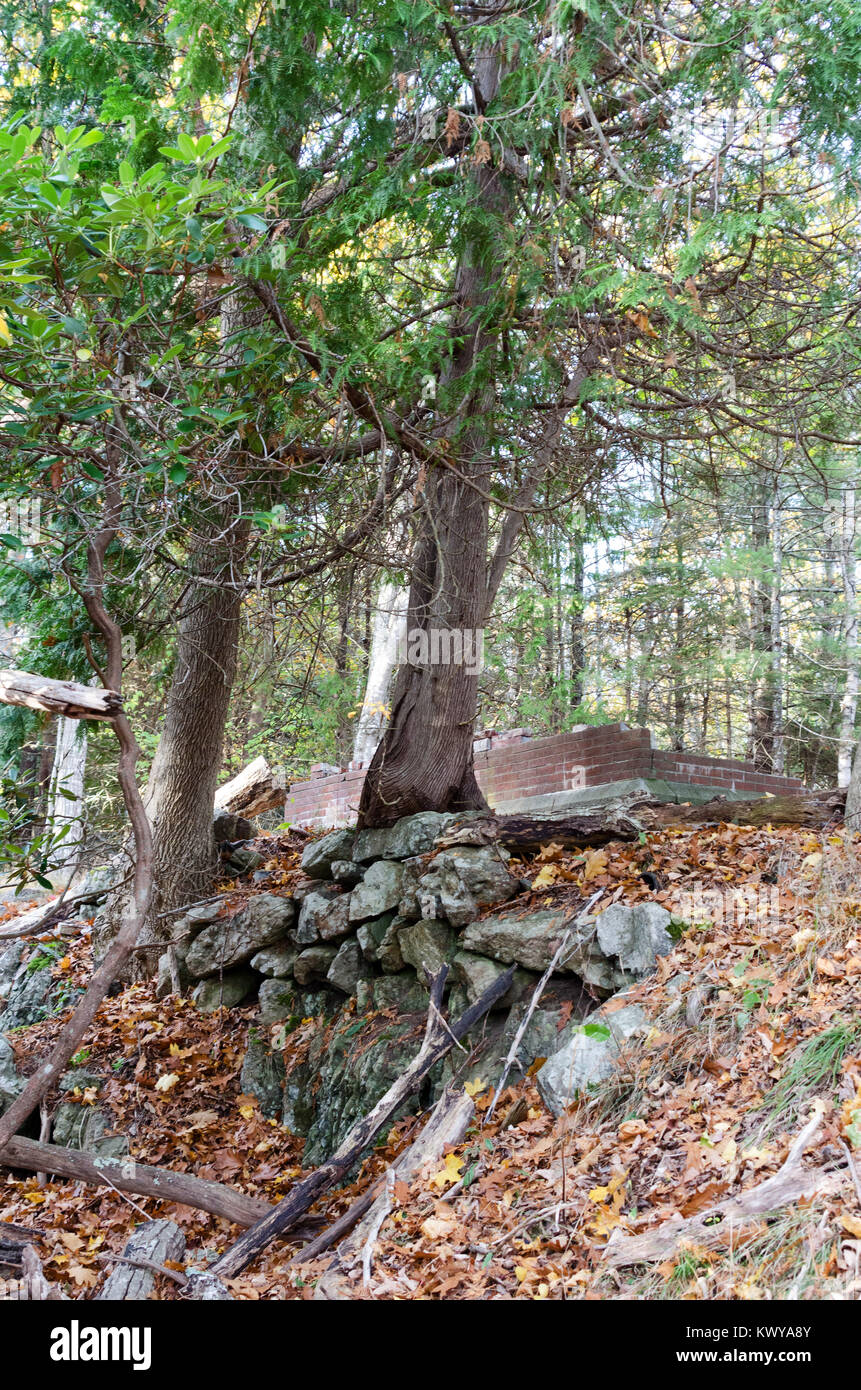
[849, 702]
[389, 628]
[66, 804]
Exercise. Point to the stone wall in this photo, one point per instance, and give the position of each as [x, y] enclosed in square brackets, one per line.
[513, 768]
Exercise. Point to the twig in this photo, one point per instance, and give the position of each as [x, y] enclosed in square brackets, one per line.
[175, 1274]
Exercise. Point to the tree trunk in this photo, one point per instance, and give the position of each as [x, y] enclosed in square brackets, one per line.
[849, 703]
[853, 793]
[761, 742]
[425, 759]
[578, 647]
[389, 629]
[180, 794]
[66, 806]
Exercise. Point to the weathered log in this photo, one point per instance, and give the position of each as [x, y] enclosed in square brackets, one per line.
[257, 788]
[131, 1176]
[439, 1038]
[581, 831]
[58, 697]
[721, 1223]
[810, 809]
[591, 828]
[147, 1249]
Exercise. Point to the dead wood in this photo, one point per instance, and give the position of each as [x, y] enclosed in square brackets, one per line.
[30, 1284]
[131, 1176]
[58, 697]
[144, 1255]
[589, 829]
[257, 788]
[722, 1222]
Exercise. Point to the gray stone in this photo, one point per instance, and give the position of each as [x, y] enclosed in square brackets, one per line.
[313, 964]
[226, 826]
[225, 992]
[348, 967]
[389, 948]
[11, 1084]
[408, 836]
[80, 1079]
[198, 917]
[282, 1002]
[323, 916]
[297, 1112]
[262, 1075]
[317, 858]
[635, 935]
[344, 871]
[403, 993]
[355, 1065]
[379, 891]
[408, 907]
[10, 964]
[83, 1126]
[478, 973]
[33, 995]
[164, 982]
[242, 860]
[531, 941]
[427, 946]
[588, 1058]
[370, 936]
[261, 922]
[275, 962]
[278, 1001]
[463, 880]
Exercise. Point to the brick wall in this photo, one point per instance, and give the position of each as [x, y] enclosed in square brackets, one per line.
[511, 766]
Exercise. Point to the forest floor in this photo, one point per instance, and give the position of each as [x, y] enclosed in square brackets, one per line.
[696, 1114]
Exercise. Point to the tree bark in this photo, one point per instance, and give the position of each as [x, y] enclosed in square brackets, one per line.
[180, 794]
[425, 760]
[849, 574]
[66, 806]
[591, 828]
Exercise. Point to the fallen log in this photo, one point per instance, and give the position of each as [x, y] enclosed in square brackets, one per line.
[257, 788]
[58, 697]
[439, 1038]
[448, 1123]
[810, 809]
[722, 1222]
[130, 1176]
[581, 831]
[589, 829]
